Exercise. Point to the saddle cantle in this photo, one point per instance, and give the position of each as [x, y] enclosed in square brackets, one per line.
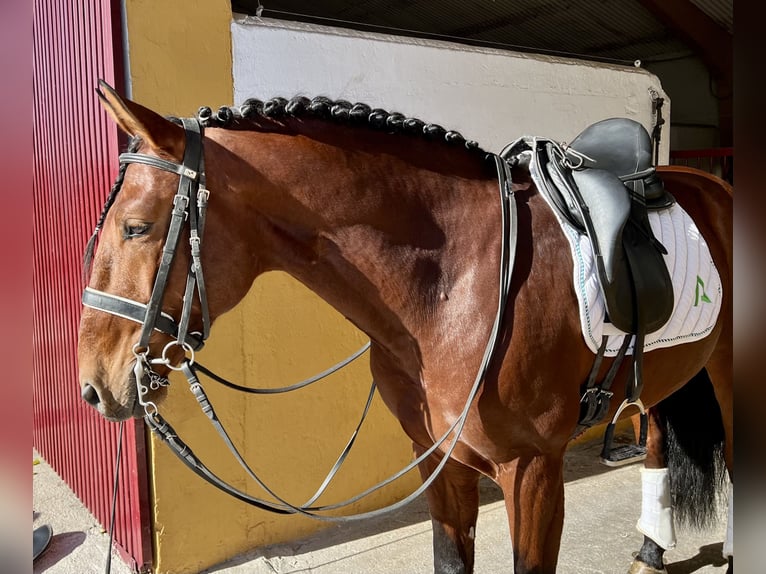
[603, 183]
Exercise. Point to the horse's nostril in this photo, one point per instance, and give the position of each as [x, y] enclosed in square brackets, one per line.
[90, 395]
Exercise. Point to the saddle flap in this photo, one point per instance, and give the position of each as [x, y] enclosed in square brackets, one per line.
[608, 206]
[635, 282]
[652, 284]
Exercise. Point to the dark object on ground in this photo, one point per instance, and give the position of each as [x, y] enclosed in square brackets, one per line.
[41, 537]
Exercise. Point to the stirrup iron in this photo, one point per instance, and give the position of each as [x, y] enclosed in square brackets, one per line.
[629, 453]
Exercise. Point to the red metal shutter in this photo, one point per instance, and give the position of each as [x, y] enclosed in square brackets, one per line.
[75, 162]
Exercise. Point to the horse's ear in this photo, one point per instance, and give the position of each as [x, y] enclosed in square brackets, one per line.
[136, 120]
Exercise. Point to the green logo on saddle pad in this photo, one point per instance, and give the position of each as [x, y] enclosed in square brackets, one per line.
[697, 298]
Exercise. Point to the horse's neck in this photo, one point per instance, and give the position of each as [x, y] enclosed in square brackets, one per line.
[388, 242]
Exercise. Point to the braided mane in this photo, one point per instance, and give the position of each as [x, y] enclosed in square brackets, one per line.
[336, 111]
[340, 111]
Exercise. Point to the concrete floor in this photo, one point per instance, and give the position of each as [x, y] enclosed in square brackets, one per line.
[602, 505]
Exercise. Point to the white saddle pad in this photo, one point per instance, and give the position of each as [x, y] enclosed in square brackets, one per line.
[696, 284]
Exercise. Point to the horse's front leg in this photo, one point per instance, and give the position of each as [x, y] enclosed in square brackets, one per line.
[453, 500]
[533, 488]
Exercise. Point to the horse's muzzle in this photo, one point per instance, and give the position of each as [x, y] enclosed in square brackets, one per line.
[110, 409]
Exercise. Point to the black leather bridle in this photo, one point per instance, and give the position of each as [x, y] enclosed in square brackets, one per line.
[190, 202]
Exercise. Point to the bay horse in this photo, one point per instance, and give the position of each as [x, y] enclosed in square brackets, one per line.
[397, 224]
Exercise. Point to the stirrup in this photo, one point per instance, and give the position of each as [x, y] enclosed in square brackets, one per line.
[629, 453]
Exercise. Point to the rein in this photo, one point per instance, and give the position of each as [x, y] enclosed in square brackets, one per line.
[190, 202]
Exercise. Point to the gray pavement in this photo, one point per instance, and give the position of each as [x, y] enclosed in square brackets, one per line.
[79, 543]
[602, 505]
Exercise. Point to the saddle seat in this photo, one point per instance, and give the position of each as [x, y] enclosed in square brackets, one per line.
[622, 147]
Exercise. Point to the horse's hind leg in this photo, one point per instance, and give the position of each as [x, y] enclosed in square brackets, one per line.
[649, 559]
[533, 488]
[453, 501]
[686, 434]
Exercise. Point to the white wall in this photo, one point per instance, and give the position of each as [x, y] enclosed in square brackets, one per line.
[491, 96]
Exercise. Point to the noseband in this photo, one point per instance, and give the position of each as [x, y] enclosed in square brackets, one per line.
[190, 203]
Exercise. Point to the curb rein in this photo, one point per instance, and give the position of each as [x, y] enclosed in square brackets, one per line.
[190, 202]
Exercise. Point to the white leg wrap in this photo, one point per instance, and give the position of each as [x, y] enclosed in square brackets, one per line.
[656, 519]
[728, 545]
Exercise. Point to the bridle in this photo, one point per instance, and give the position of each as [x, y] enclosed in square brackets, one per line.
[190, 203]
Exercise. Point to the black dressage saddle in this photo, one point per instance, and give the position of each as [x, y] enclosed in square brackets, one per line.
[604, 184]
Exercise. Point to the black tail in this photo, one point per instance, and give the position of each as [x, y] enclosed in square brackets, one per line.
[694, 440]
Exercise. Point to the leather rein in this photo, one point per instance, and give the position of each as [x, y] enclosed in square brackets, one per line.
[190, 203]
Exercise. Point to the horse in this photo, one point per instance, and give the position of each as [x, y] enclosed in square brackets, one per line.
[398, 225]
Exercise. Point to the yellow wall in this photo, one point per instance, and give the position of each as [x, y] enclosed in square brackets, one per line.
[180, 59]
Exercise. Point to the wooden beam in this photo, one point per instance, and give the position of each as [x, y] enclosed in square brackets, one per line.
[710, 41]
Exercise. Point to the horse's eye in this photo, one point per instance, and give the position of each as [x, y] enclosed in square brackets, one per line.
[136, 229]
